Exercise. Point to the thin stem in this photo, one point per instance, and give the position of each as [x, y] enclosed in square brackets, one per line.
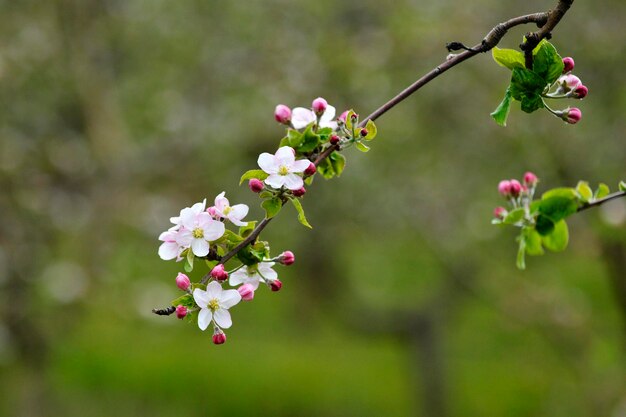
[602, 200]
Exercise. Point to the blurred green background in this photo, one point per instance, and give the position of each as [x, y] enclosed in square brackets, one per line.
[404, 300]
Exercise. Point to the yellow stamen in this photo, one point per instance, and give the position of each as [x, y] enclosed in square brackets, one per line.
[213, 305]
[198, 233]
[283, 170]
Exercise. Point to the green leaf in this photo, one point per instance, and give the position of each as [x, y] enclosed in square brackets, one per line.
[185, 300]
[309, 141]
[260, 250]
[244, 231]
[188, 266]
[272, 207]
[325, 169]
[525, 83]
[301, 217]
[253, 173]
[565, 192]
[547, 63]
[371, 130]
[349, 116]
[622, 186]
[266, 194]
[531, 103]
[362, 147]
[602, 191]
[211, 264]
[248, 256]
[501, 113]
[557, 240]
[521, 253]
[514, 216]
[295, 138]
[544, 225]
[584, 191]
[557, 208]
[533, 241]
[508, 58]
[338, 162]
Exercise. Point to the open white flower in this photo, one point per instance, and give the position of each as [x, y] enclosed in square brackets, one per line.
[233, 213]
[253, 274]
[195, 209]
[170, 248]
[214, 304]
[301, 117]
[283, 168]
[197, 230]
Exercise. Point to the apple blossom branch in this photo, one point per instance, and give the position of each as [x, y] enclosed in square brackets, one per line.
[602, 200]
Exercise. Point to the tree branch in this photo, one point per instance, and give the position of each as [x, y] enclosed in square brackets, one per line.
[602, 200]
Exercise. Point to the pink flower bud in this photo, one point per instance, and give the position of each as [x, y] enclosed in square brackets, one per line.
[299, 192]
[246, 291]
[256, 185]
[580, 92]
[276, 285]
[181, 311]
[219, 337]
[568, 64]
[572, 115]
[310, 170]
[569, 81]
[218, 273]
[212, 211]
[354, 117]
[500, 212]
[516, 188]
[319, 105]
[182, 281]
[530, 179]
[343, 116]
[504, 188]
[282, 114]
[334, 139]
[287, 258]
[363, 132]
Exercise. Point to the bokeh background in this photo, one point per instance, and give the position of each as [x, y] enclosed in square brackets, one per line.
[404, 300]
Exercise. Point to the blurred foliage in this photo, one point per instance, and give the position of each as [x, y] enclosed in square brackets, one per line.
[404, 299]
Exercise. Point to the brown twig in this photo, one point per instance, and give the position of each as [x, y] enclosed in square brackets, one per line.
[602, 200]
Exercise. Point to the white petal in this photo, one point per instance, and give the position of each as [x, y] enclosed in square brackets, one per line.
[229, 298]
[267, 272]
[175, 220]
[188, 218]
[293, 181]
[237, 277]
[213, 230]
[213, 290]
[221, 202]
[222, 318]
[332, 125]
[275, 181]
[239, 211]
[200, 297]
[184, 238]
[329, 114]
[168, 236]
[168, 250]
[199, 207]
[299, 165]
[200, 247]
[204, 318]
[254, 281]
[301, 117]
[267, 162]
[285, 155]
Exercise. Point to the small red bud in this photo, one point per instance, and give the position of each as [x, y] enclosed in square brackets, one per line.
[256, 185]
[568, 64]
[500, 212]
[516, 188]
[276, 285]
[572, 116]
[319, 105]
[282, 114]
[310, 170]
[219, 337]
[504, 188]
[181, 311]
[182, 281]
[334, 139]
[580, 92]
[246, 291]
[287, 258]
[530, 179]
[299, 192]
[363, 132]
[354, 117]
[219, 273]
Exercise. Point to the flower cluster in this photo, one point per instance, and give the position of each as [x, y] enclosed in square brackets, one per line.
[568, 86]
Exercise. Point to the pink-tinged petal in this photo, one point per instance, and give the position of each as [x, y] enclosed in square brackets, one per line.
[299, 165]
[267, 162]
[328, 115]
[275, 181]
[237, 277]
[293, 182]
[301, 117]
[184, 238]
[229, 298]
[222, 318]
[285, 156]
[200, 247]
[213, 230]
[331, 124]
[168, 250]
[199, 207]
[200, 297]
[204, 318]
[188, 218]
[213, 290]
[168, 236]
[254, 280]
[267, 272]
[221, 202]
